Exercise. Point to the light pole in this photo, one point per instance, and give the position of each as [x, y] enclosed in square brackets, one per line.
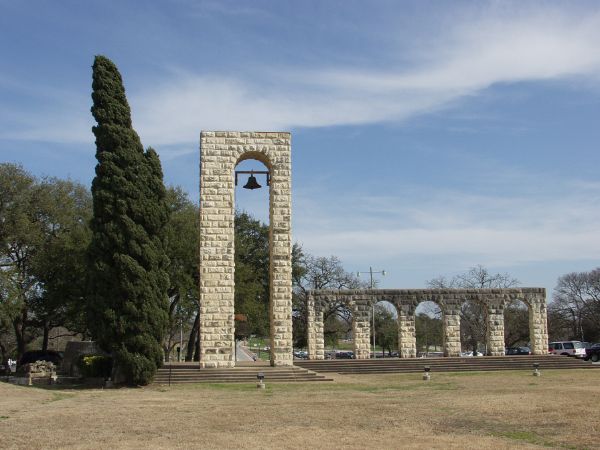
[371, 272]
[180, 338]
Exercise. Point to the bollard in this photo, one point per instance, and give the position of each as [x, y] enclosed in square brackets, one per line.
[260, 377]
[426, 375]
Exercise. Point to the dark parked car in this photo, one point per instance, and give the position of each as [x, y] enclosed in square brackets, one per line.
[517, 351]
[344, 355]
[592, 353]
[39, 355]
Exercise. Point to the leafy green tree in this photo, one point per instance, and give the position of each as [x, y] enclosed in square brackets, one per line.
[386, 328]
[252, 272]
[43, 234]
[428, 331]
[128, 306]
[182, 236]
[20, 240]
[60, 266]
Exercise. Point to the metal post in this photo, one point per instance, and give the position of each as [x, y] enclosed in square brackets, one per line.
[180, 339]
[371, 274]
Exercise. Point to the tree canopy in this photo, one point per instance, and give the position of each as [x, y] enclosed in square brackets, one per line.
[43, 237]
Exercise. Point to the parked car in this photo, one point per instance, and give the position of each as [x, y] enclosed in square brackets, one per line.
[513, 351]
[40, 355]
[470, 354]
[344, 355]
[568, 348]
[592, 353]
[301, 354]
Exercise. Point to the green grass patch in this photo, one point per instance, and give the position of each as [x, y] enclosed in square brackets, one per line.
[57, 396]
[444, 386]
[3, 417]
[525, 436]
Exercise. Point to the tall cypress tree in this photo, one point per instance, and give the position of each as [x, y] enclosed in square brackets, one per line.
[128, 279]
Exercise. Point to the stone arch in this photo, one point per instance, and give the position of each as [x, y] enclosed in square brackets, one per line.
[538, 321]
[338, 304]
[360, 306]
[520, 310]
[220, 152]
[417, 304]
[482, 336]
[391, 300]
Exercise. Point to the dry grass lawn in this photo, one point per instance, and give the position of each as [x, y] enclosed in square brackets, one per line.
[482, 410]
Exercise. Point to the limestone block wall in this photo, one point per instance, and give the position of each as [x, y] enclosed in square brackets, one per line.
[407, 338]
[451, 325]
[538, 325]
[361, 328]
[495, 327]
[220, 152]
[315, 329]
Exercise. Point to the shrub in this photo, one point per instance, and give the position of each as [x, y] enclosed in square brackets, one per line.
[95, 366]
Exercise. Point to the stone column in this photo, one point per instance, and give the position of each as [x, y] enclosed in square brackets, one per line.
[361, 328]
[280, 235]
[216, 253]
[451, 327]
[495, 327]
[315, 329]
[407, 340]
[538, 323]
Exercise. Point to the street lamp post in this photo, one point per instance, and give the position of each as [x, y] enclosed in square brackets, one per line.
[371, 272]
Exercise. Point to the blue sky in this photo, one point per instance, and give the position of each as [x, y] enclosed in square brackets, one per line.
[427, 137]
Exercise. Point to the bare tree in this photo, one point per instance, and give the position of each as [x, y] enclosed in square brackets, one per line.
[309, 273]
[575, 309]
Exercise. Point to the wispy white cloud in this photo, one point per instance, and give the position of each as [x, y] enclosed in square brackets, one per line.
[472, 54]
[465, 60]
[466, 228]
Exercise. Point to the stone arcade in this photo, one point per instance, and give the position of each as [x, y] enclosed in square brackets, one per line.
[220, 152]
[405, 301]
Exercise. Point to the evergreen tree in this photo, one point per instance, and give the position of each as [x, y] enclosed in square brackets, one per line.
[128, 279]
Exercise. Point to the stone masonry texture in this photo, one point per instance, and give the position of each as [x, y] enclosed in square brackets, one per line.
[220, 152]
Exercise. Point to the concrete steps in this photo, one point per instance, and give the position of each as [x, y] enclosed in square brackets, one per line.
[411, 365]
[190, 373]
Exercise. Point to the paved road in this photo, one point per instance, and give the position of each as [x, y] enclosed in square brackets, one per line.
[242, 354]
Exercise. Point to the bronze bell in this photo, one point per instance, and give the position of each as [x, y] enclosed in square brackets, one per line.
[252, 183]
